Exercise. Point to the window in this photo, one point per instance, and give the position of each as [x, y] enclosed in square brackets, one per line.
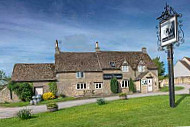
[125, 84]
[79, 74]
[81, 86]
[143, 82]
[125, 68]
[98, 85]
[112, 64]
[141, 68]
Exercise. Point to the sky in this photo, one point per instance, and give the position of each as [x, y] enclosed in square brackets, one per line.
[29, 28]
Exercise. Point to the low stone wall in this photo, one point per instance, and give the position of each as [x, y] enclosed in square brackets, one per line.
[179, 80]
[5, 96]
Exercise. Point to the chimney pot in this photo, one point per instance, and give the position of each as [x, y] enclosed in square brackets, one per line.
[57, 51]
[144, 50]
[97, 48]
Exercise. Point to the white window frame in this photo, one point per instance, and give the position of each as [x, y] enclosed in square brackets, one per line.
[80, 74]
[125, 68]
[141, 68]
[81, 86]
[144, 82]
[98, 84]
[125, 85]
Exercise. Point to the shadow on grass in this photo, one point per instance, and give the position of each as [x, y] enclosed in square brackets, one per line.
[183, 96]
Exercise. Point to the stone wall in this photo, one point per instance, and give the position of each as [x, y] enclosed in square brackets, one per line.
[5, 96]
[66, 82]
[179, 80]
[44, 85]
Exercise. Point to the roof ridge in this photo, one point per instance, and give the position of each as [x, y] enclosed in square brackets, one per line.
[32, 63]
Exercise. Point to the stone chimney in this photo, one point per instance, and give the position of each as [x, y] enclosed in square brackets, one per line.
[57, 51]
[144, 50]
[97, 48]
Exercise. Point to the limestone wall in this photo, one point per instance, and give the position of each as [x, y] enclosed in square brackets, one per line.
[42, 84]
[179, 80]
[5, 96]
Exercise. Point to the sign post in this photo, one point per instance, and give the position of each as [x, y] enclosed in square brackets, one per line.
[169, 36]
[171, 76]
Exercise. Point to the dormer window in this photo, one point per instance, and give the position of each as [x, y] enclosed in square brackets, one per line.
[112, 64]
[79, 75]
[125, 68]
[141, 68]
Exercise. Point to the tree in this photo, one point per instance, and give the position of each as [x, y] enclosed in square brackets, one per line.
[53, 87]
[23, 90]
[3, 78]
[131, 85]
[114, 85]
[160, 65]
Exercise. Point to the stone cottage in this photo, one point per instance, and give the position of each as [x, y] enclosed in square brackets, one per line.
[89, 73]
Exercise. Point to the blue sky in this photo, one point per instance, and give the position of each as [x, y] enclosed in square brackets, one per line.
[29, 28]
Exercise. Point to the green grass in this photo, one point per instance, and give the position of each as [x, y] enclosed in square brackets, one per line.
[166, 88]
[21, 104]
[143, 112]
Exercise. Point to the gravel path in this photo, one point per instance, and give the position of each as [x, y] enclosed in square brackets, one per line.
[11, 112]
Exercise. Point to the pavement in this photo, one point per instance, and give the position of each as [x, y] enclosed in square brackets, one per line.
[11, 112]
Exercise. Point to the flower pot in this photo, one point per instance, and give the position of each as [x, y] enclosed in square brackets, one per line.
[52, 109]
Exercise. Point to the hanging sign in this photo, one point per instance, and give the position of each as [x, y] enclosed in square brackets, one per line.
[110, 76]
[168, 31]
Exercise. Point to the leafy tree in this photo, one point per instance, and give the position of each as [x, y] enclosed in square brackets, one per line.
[3, 78]
[131, 85]
[53, 87]
[114, 85]
[160, 65]
[23, 90]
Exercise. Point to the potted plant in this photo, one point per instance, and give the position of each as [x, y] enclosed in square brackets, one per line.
[52, 107]
[123, 96]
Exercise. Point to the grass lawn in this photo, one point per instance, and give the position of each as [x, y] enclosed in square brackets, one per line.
[146, 111]
[20, 104]
[166, 88]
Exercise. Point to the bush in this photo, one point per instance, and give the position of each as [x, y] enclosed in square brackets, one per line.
[114, 85]
[101, 101]
[62, 95]
[24, 114]
[122, 94]
[23, 90]
[48, 96]
[52, 105]
[131, 85]
[53, 87]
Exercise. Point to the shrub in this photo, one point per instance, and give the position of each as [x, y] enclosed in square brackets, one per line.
[52, 105]
[122, 94]
[24, 114]
[114, 85]
[131, 85]
[48, 96]
[101, 101]
[62, 95]
[23, 90]
[53, 87]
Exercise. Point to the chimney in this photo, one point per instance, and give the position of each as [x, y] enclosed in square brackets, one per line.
[97, 47]
[57, 51]
[144, 50]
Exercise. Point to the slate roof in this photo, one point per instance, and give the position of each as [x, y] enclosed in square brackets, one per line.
[185, 64]
[33, 72]
[79, 61]
[141, 76]
[98, 61]
[187, 58]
